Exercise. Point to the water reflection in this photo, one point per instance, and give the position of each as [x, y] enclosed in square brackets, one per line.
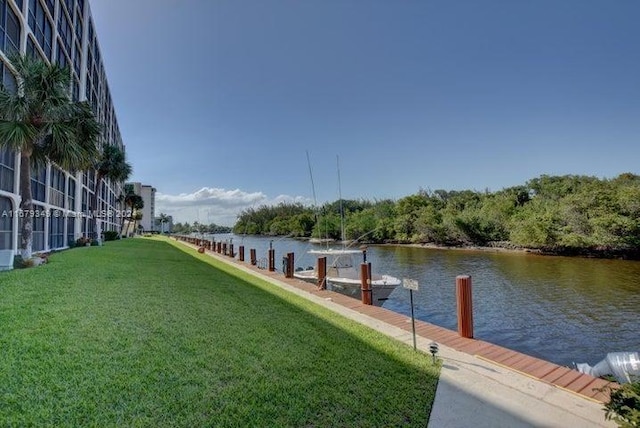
[558, 308]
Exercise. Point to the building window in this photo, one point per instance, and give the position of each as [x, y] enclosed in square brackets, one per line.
[88, 227]
[71, 230]
[38, 228]
[19, 3]
[71, 194]
[6, 224]
[50, 6]
[41, 26]
[7, 79]
[92, 179]
[61, 58]
[78, 26]
[31, 47]
[7, 168]
[76, 58]
[75, 89]
[69, 4]
[56, 229]
[9, 28]
[38, 183]
[65, 31]
[56, 187]
[85, 201]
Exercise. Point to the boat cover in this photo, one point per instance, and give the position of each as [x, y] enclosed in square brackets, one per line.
[624, 366]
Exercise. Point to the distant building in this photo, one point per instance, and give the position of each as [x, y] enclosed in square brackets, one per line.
[148, 194]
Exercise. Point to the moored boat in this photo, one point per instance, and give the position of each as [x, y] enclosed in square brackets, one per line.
[343, 275]
[624, 366]
[321, 240]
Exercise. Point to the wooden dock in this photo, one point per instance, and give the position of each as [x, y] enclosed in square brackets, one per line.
[545, 371]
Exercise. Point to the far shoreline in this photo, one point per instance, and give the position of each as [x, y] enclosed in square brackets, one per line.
[611, 254]
[488, 249]
[504, 247]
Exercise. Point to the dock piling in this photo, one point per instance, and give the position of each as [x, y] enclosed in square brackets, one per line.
[272, 259]
[465, 306]
[321, 268]
[289, 268]
[365, 282]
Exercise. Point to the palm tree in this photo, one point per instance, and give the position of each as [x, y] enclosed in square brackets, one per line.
[137, 215]
[163, 219]
[42, 122]
[111, 164]
[135, 203]
[126, 199]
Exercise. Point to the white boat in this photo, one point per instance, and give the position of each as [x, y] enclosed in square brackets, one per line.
[343, 275]
[624, 366]
[321, 240]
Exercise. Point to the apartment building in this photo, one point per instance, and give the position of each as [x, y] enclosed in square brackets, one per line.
[60, 31]
[148, 194]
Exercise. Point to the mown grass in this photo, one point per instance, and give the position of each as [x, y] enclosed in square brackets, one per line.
[141, 333]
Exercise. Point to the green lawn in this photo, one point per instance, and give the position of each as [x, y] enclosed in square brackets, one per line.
[145, 332]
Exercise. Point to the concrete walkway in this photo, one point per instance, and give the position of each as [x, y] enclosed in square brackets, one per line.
[472, 391]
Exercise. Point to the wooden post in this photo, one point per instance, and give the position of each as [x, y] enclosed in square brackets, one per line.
[231, 251]
[219, 247]
[288, 272]
[365, 288]
[224, 248]
[370, 276]
[252, 255]
[272, 260]
[292, 263]
[321, 268]
[465, 306]
[241, 253]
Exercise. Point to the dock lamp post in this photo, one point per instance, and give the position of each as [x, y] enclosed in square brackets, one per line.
[433, 348]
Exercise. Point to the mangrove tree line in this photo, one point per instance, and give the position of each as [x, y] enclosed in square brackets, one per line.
[568, 213]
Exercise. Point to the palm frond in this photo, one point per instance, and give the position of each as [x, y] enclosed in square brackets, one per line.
[72, 135]
[87, 127]
[57, 147]
[112, 164]
[16, 135]
[13, 107]
[44, 86]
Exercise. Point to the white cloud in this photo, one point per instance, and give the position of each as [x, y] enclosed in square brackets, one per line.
[214, 205]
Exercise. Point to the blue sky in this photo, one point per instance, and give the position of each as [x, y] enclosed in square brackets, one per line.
[218, 100]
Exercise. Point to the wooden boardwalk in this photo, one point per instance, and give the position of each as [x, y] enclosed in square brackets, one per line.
[559, 376]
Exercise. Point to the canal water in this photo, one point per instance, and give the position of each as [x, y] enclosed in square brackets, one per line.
[561, 309]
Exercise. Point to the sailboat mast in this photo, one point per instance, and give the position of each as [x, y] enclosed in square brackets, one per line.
[340, 196]
[313, 186]
[315, 199]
